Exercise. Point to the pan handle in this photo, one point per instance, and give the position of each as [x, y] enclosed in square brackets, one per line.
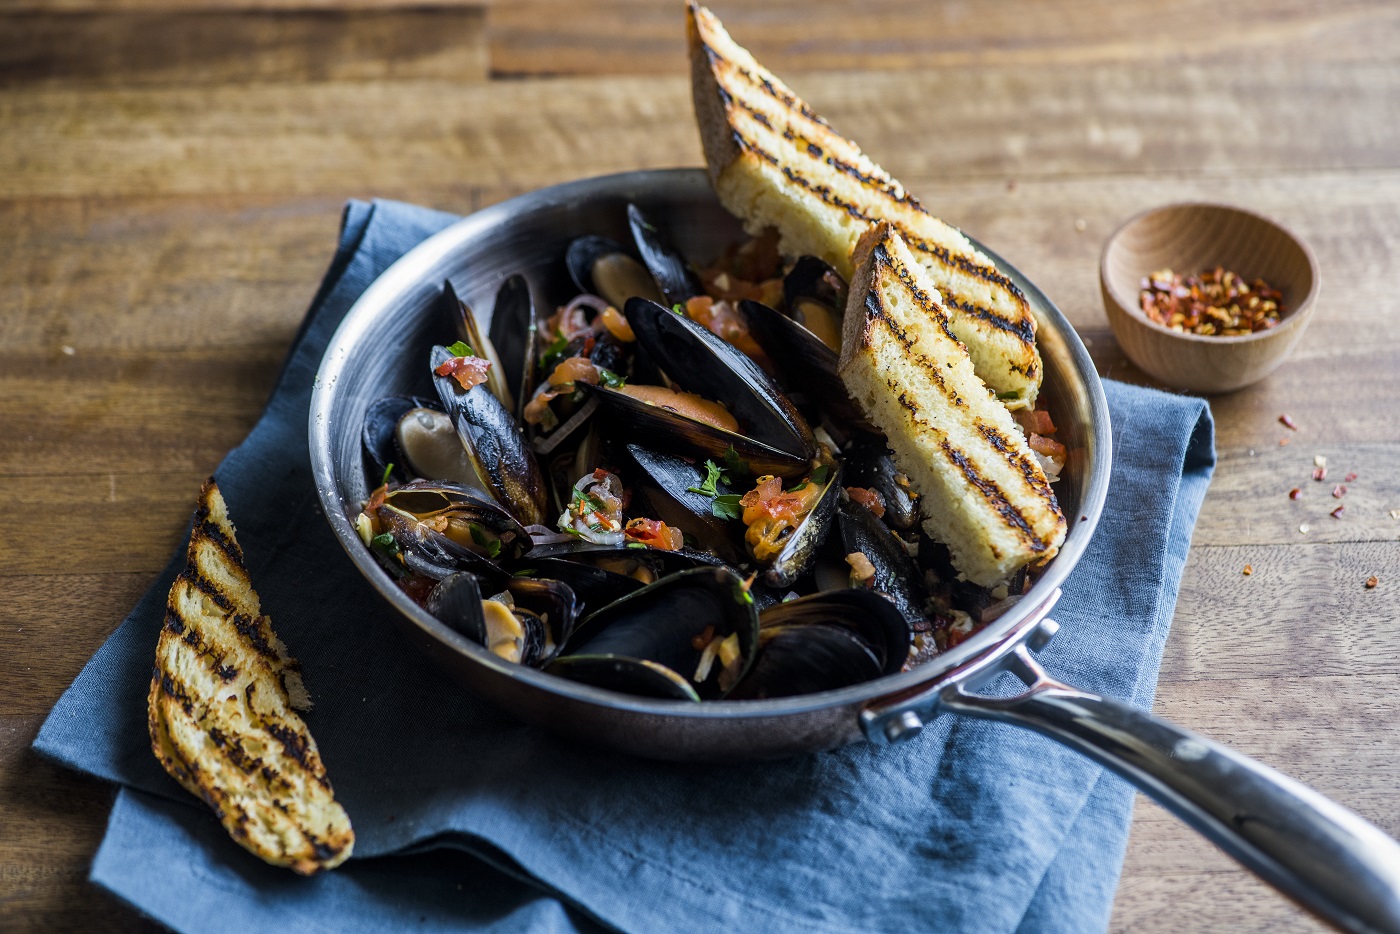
[1326, 858]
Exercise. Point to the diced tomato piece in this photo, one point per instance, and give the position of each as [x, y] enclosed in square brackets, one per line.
[467, 371]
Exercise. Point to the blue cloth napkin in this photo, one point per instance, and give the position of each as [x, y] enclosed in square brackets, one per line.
[467, 820]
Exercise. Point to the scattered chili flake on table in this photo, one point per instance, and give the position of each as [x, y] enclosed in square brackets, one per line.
[1248, 570]
[1295, 493]
[1216, 302]
[1287, 422]
[1337, 513]
[1339, 491]
[1372, 581]
[1283, 442]
[1320, 474]
[1351, 476]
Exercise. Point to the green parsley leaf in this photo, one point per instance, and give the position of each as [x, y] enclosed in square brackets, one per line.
[820, 475]
[385, 540]
[553, 353]
[493, 548]
[734, 466]
[461, 349]
[713, 475]
[388, 551]
[1009, 395]
[635, 545]
[679, 309]
[611, 379]
[387, 471]
[727, 507]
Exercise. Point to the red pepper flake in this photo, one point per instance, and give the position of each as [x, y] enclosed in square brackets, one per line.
[1339, 491]
[1287, 422]
[1248, 570]
[1337, 513]
[1320, 474]
[1283, 442]
[1372, 581]
[1351, 476]
[1295, 493]
[1215, 302]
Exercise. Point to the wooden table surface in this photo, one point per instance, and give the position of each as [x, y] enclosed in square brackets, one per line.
[172, 173]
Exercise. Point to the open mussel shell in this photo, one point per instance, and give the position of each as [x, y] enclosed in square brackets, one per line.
[673, 275]
[603, 267]
[593, 587]
[869, 464]
[666, 486]
[633, 559]
[635, 676]
[513, 333]
[824, 642]
[802, 545]
[805, 364]
[496, 446]
[665, 623]
[516, 634]
[464, 324]
[815, 296]
[896, 574]
[441, 528]
[428, 444]
[377, 436]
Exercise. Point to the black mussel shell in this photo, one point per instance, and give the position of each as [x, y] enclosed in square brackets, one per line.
[699, 362]
[634, 676]
[457, 602]
[813, 281]
[804, 363]
[667, 266]
[437, 554]
[796, 660]
[896, 574]
[553, 601]
[497, 447]
[593, 587]
[661, 622]
[513, 332]
[377, 436]
[869, 464]
[603, 267]
[628, 555]
[670, 432]
[666, 487]
[465, 326]
[801, 547]
[870, 616]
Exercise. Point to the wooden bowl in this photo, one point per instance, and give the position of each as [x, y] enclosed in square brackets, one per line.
[1191, 238]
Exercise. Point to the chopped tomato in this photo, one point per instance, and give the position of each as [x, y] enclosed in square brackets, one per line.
[956, 636]
[771, 513]
[655, 533]
[574, 370]
[617, 325]
[724, 321]
[467, 371]
[1035, 421]
[1047, 447]
[869, 498]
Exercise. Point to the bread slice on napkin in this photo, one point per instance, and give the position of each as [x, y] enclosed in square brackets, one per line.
[776, 163]
[221, 709]
[982, 492]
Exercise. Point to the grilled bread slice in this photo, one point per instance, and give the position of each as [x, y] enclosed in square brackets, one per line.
[221, 709]
[776, 163]
[983, 493]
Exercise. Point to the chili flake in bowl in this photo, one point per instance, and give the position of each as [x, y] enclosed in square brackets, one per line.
[1222, 328]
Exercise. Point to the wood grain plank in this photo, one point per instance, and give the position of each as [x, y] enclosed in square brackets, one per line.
[50, 825]
[184, 49]
[552, 37]
[185, 6]
[1021, 122]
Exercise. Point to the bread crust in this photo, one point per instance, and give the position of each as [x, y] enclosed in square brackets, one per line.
[221, 710]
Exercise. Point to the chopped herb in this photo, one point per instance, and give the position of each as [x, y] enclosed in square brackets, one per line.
[483, 540]
[553, 353]
[688, 540]
[679, 309]
[387, 471]
[742, 595]
[640, 545]
[611, 379]
[388, 549]
[821, 473]
[713, 475]
[734, 466]
[461, 349]
[1009, 395]
[727, 507]
[526, 572]
[794, 489]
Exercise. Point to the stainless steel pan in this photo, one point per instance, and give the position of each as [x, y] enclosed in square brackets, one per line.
[1323, 856]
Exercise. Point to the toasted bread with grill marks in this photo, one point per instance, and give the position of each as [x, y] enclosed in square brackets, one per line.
[982, 492]
[776, 163]
[222, 709]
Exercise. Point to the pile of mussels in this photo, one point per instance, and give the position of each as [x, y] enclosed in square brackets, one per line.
[663, 488]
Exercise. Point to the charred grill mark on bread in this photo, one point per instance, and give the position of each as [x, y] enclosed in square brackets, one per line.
[983, 493]
[221, 709]
[776, 162]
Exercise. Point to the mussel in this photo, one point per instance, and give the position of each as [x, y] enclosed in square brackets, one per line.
[459, 314]
[600, 266]
[896, 574]
[495, 445]
[669, 488]
[825, 641]
[787, 550]
[700, 625]
[383, 456]
[869, 465]
[439, 528]
[513, 332]
[525, 623]
[667, 266]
